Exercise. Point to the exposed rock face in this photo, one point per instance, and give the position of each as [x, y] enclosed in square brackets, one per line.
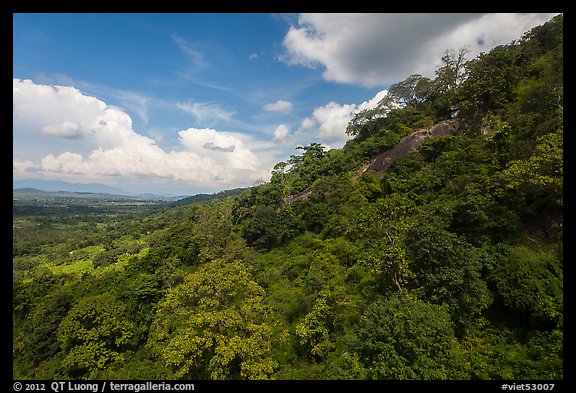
[297, 197]
[383, 161]
[444, 128]
[380, 164]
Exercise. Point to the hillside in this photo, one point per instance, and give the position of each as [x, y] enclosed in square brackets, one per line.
[208, 197]
[380, 164]
[429, 247]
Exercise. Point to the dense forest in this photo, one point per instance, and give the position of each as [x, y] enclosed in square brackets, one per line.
[441, 261]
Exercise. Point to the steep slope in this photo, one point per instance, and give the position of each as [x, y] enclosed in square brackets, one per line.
[380, 164]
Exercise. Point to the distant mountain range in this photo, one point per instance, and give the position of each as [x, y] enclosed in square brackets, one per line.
[31, 186]
[57, 185]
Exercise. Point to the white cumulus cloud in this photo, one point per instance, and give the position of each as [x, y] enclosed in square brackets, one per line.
[223, 148]
[282, 134]
[328, 123]
[331, 120]
[279, 106]
[61, 133]
[381, 49]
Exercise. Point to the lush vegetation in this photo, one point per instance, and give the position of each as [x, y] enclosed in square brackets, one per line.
[448, 265]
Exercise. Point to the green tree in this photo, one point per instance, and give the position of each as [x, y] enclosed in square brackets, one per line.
[530, 281]
[542, 175]
[216, 234]
[314, 331]
[94, 334]
[380, 230]
[38, 339]
[491, 80]
[446, 269]
[453, 71]
[409, 92]
[365, 123]
[259, 227]
[370, 186]
[496, 352]
[402, 338]
[213, 326]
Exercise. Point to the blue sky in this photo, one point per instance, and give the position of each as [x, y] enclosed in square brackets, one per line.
[191, 103]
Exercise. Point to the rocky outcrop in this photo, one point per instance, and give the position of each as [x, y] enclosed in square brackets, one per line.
[297, 197]
[380, 164]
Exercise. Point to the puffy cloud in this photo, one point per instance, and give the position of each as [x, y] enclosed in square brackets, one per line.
[22, 166]
[282, 134]
[279, 106]
[331, 120]
[42, 112]
[84, 139]
[308, 123]
[225, 148]
[65, 162]
[381, 49]
[328, 123]
[373, 102]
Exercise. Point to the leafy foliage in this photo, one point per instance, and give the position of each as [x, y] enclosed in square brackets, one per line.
[213, 325]
[94, 334]
[446, 265]
[403, 338]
